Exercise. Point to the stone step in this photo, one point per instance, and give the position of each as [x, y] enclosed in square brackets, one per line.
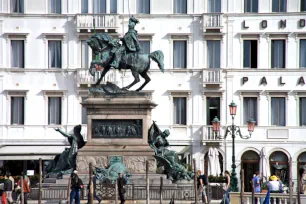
[50, 180]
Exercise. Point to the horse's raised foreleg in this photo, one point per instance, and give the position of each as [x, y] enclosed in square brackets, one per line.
[105, 70]
[147, 80]
[136, 80]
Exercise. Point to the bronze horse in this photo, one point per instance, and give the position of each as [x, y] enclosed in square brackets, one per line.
[138, 63]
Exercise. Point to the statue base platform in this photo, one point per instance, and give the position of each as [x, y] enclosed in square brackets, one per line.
[118, 126]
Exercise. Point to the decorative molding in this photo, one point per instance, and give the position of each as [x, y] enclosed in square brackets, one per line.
[16, 92]
[16, 35]
[54, 93]
[179, 93]
[299, 93]
[217, 93]
[180, 36]
[54, 36]
[284, 93]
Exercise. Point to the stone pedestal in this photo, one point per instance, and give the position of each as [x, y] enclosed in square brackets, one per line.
[118, 126]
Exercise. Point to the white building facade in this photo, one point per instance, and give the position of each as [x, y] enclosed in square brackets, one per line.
[252, 52]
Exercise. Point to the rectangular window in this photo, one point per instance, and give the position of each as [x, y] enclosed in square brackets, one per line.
[279, 5]
[84, 112]
[54, 110]
[179, 54]
[249, 109]
[17, 53]
[250, 6]
[213, 53]
[17, 110]
[85, 54]
[179, 110]
[145, 46]
[278, 54]
[278, 111]
[303, 5]
[143, 6]
[55, 6]
[113, 6]
[84, 6]
[17, 6]
[55, 53]
[214, 6]
[213, 108]
[99, 6]
[180, 6]
[303, 53]
[250, 53]
[302, 111]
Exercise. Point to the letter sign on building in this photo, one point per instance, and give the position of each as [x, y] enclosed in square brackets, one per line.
[281, 81]
[301, 81]
[264, 24]
[244, 26]
[245, 79]
[282, 24]
[263, 81]
[302, 23]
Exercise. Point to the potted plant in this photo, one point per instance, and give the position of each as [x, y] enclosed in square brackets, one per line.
[264, 187]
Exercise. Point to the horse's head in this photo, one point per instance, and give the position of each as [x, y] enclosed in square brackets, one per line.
[99, 42]
[95, 45]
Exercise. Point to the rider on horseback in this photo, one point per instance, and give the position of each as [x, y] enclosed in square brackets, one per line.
[130, 43]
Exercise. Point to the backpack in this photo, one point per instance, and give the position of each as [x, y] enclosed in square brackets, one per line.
[205, 181]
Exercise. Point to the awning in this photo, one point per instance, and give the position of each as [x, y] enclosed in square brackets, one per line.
[30, 152]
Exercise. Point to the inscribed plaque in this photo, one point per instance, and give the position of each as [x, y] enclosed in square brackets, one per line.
[116, 128]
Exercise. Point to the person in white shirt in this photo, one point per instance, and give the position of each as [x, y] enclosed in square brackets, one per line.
[274, 186]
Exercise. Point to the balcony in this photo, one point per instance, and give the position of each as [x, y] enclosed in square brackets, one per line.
[85, 78]
[212, 77]
[212, 21]
[105, 22]
[208, 135]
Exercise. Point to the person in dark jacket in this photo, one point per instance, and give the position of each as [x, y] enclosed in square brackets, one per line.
[76, 186]
[8, 188]
[94, 181]
[121, 190]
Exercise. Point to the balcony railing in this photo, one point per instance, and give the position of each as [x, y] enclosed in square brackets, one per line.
[84, 77]
[213, 20]
[212, 76]
[283, 198]
[209, 135]
[102, 21]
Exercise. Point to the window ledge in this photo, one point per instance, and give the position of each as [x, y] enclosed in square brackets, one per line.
[179, 93]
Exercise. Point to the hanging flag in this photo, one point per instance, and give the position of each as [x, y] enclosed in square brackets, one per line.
[267, 199]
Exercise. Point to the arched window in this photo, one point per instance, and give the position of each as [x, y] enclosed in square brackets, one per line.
[279, 165]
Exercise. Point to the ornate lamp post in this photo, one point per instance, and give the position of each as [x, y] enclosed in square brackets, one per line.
[233, 130]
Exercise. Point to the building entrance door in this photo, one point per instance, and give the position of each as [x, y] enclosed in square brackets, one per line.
[250, 164]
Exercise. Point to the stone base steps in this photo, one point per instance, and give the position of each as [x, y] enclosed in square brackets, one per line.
[127, 202]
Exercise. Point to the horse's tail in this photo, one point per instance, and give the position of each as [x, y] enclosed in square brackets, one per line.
[158, 57]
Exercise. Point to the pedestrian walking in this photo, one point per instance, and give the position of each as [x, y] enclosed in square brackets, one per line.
[94, 181]
[121, 190]
[226, 199]
[256, 185]
[8, 189]
[303, 181]
[26, 189]
[76, 186]
[201, 184]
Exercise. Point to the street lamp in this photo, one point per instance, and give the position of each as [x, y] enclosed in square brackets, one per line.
[233, 130]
